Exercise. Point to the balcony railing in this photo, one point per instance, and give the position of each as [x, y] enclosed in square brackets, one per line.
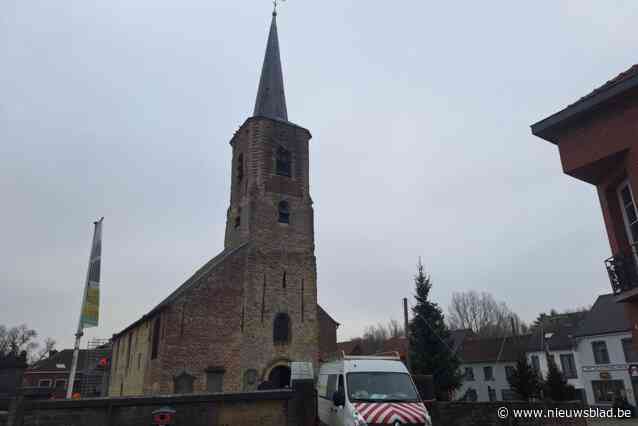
[623, 271]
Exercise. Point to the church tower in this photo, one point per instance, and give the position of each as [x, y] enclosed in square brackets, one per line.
[248, 312]
[271, 210]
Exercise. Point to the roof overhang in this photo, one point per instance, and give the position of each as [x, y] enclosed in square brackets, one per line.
[546, 126]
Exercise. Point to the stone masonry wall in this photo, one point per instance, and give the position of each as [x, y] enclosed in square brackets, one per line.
[486, 414]
[266, 296]
[271, 408]
[128, 366]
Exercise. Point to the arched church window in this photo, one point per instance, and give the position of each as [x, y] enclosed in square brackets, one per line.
[281, 329]
[283, 162]
[240, 167]
[183, 383]
[284, 212]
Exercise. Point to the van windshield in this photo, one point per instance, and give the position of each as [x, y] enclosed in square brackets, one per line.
[381, 386]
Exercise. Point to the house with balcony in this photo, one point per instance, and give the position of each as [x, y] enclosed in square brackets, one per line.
[597, 138]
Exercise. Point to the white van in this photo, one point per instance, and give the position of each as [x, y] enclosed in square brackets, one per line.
[368, 390]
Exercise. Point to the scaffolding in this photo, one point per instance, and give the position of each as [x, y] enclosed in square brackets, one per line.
[94, 375]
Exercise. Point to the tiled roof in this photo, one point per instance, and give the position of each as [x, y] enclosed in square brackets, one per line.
[606, 316]
[398, 344]
[458, 337]
[349, 346]
[627, 80]
[625, 75]
[492, 349]
[61, 361]
[560, 327]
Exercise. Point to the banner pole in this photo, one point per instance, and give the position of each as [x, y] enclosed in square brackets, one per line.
[80, 331]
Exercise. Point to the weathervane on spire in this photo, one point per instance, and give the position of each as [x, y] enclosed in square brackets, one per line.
[275, 4]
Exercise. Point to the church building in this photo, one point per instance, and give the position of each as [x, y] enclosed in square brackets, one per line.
[241, 318]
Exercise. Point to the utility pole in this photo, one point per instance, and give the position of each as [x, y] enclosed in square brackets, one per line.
[407, 333]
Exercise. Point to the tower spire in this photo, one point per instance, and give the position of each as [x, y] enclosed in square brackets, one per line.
[271, 100]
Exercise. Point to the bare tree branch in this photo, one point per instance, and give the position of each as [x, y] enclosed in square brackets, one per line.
[482, 314]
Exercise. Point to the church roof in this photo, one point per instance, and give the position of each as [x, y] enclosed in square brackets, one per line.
[322, 312]
[271, 100]
[189, 283]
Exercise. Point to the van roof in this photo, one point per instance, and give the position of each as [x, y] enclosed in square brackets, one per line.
[364, 364]
[374, 365]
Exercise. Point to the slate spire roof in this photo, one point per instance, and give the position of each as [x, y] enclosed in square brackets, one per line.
[271, 100]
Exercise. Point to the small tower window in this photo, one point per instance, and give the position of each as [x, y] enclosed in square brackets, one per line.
[281, 329]
[240, 167]
[284, 212]
[238, 218]
[283, 162]
[283, 280]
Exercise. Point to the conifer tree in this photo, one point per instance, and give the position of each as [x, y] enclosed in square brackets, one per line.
[430, 346]
[524, 380]
[556, 386]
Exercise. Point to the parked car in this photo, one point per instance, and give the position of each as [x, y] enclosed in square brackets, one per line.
[363, 390]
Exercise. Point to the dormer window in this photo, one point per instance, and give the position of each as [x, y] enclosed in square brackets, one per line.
[283, 162]
[284, 212]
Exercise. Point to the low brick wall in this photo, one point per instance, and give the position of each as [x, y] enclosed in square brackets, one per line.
[487, 414]
[276, 408]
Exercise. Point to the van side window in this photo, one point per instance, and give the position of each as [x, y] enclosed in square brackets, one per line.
[341, 388]
[332, 385]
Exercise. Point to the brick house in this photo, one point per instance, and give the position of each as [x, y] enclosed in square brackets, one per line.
[246, 314]
[597, 138]
[49, 378]
[52, 373]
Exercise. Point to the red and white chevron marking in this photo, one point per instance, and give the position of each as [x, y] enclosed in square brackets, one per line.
[390, 412]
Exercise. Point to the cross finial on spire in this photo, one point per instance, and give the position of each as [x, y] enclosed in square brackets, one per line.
[275, 3]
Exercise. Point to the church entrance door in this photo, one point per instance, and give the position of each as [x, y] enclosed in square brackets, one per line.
[280, 377]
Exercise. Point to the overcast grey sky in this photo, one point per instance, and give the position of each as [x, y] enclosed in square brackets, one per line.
[420, 113]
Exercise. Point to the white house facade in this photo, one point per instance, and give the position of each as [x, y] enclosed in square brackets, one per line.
[486, 381]
[593, 350]
[486, 363]
[605, 354]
